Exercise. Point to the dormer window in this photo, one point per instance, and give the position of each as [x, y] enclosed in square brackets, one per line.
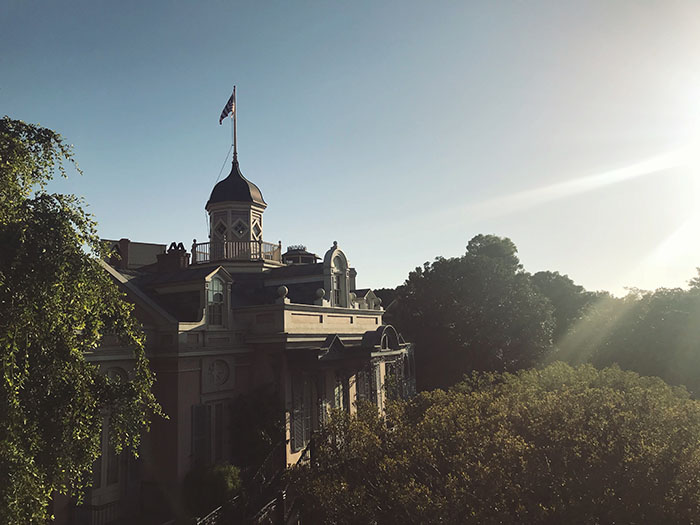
[338, 282]
[338, 277]
[215, 302]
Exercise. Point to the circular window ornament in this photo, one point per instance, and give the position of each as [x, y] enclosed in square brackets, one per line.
[219, 372]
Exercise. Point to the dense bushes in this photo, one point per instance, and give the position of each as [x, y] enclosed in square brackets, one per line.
[558, 445]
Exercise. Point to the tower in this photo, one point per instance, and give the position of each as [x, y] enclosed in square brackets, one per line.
[235, 209]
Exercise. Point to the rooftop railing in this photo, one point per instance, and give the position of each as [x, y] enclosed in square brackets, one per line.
[206, 252]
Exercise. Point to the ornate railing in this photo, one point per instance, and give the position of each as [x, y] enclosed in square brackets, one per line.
[205, 252]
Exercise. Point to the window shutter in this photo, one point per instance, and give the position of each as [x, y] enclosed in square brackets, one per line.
[323, 403]
[338, 393]
[297, 430]
[218, 431]
[364, 392]
[201, 434]
[376, 386]
[346, 392]
[307, 410]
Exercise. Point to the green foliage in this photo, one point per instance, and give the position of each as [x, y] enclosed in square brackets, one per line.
[550, 446]
[653, 333]
[480, 311]
[207, 489]
[56, 303]
[569, 300]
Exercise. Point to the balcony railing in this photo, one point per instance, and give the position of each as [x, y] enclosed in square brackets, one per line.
[205, 252]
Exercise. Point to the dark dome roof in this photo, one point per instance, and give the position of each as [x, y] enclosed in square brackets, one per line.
[298, 250]
[237, 188]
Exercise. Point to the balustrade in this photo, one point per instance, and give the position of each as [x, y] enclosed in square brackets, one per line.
[205, 252]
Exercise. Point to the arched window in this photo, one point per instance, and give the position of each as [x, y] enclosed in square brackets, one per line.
[338, 282]
[338, 277]
[215, 302]
[338, 264]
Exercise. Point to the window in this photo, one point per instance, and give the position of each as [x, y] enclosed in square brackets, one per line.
[362, 380]
[336, 289]
[394, 384]
[216, 302]
[97, 473]
[341, 392]
[338, 282]
[218, 431]
[201, 435]
[324, 404]
[301, 411]
[338, 263]
[109, 470]
[112, 467]
[376, 386]
[239, 227]
[207, 433]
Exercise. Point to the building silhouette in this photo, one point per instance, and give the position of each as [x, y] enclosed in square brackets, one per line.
[230, 316]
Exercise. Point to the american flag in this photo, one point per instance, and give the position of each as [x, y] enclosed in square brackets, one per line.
[229, 108]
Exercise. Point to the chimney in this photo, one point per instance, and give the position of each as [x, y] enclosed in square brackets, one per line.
[176, 258]
[120, 254]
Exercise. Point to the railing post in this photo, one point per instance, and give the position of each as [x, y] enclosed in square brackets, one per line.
[279, 251]
[281, 506]
[261, 255]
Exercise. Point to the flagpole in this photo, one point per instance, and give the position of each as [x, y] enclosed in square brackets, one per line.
[235, 147]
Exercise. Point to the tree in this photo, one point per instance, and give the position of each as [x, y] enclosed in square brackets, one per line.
[56, 304]
[475, 312]
[652, 333]
[549, 446]
[569, 300]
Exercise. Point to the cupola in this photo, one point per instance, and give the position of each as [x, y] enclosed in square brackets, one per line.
[235, 209]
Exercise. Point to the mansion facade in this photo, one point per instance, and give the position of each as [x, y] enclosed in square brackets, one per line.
[222, 319]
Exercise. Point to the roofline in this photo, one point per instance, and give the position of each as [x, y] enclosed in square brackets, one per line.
[147, 301]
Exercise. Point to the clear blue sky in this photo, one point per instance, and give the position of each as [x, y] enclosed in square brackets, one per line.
[400, 129]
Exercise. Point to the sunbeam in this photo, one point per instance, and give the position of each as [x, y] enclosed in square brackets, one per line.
[585, 337]
[523, 200]
[677, 252]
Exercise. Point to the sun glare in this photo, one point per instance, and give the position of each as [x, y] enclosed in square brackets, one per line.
[527, 199]
[668, 262]
[678, 252]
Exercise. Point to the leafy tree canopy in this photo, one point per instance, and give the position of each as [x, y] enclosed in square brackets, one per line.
[480, 311]
[653, 333]
[56, 304]
[569, 300]
[550, 446]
